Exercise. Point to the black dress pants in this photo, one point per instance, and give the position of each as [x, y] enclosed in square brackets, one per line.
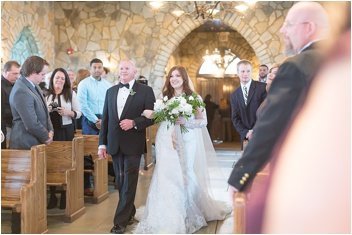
[126, 169]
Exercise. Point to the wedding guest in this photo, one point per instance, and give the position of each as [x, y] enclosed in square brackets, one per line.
[263, 73]
[210, 108]
[122, 135]
[105, 73]
[271, 76]
[91, 97]
[81, 74]
[245, 101]
[184, 193]
[10, 74]
[71, 75]
[306, 24]
[315, 162]
[31, 121]
[63, 107]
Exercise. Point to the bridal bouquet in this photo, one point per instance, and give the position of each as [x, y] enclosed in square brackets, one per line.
[178, 106]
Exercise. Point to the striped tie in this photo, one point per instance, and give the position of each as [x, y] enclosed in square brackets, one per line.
[245, 95]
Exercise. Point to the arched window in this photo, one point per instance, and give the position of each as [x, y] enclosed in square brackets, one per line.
[24, 46]
[218, 66]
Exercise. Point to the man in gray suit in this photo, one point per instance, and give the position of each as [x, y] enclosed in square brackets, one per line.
[31, 122]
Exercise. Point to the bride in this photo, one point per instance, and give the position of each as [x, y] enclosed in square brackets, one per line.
[179, 198]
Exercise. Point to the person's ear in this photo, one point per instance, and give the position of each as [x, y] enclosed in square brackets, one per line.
[311, 29]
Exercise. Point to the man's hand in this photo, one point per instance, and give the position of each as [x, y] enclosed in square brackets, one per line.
[249, 134]
[98, 124]
[50, 139]
[126, 124]
[102, 153]
[51, 134]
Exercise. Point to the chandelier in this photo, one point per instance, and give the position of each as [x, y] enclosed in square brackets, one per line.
[216, 65]
[205, 10]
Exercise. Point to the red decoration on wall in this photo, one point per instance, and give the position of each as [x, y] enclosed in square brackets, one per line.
[70, 51]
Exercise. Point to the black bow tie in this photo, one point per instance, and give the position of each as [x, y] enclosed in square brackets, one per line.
[127, 85]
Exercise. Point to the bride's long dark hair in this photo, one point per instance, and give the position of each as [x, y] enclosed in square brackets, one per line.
[168, 90]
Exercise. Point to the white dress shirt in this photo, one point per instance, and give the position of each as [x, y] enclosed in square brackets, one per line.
[248, 85]
[122, 96]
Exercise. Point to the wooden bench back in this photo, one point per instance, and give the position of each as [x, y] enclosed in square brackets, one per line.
[91, 144]
[23, 179]
[16, 171]
[61, 157]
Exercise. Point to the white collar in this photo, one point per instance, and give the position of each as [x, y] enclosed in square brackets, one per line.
[307, 45]
[30, 82]
[247, 85]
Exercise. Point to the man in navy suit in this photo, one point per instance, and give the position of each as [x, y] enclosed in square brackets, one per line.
[123, 134]
[246, 100]
[304, 28]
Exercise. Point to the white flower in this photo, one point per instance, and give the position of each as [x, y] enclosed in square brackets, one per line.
[191, 98]
[165, 98]
[159, 105]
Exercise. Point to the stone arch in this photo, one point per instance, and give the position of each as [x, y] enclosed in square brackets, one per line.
[171, 41]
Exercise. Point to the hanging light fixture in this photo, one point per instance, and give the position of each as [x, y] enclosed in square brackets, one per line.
[216, 65]
[210, 10]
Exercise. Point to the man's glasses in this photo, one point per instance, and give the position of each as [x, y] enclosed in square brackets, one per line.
[287, 24]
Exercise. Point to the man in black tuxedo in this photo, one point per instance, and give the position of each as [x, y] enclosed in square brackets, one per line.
[123, 134]
[305, 25]
[246, 100]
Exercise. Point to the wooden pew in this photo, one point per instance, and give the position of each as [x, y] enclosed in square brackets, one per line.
[241, 200]
[23, 186]
[100, 172]
[65, 168]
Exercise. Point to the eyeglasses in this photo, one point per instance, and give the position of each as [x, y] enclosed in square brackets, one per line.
[288, 24]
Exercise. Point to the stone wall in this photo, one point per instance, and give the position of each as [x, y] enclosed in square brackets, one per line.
[38, 17]
[112, 31]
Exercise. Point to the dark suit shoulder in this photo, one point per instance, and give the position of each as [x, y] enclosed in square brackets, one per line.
[114, 87]
[261, 85]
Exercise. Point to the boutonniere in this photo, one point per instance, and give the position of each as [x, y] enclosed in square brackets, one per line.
[132, 92]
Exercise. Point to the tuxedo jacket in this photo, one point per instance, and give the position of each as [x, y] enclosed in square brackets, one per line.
[131, 142]
[244, 116]
[31, 121]
[291, 83]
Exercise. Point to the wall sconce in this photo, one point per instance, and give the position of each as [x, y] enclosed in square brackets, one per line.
[70, 51]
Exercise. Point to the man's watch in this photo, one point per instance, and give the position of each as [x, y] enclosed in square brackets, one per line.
[134, 124]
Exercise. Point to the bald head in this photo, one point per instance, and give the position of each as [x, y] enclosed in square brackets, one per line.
[127, 71]
[305, 22]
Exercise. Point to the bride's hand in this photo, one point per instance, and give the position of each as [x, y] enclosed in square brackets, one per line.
[181, 121]
[148, 113]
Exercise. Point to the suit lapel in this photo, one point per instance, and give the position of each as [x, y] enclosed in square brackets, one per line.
[114, 103]
[128, 101]
[240, 96]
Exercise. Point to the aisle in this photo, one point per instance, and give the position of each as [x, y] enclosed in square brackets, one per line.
[98, 218]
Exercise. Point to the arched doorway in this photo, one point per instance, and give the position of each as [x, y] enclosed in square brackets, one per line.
[190, 53]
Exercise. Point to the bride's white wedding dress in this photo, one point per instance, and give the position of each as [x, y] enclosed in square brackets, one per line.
[178, 200]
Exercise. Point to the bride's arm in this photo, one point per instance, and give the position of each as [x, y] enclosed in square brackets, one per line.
[199, 121]
[148, 113]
